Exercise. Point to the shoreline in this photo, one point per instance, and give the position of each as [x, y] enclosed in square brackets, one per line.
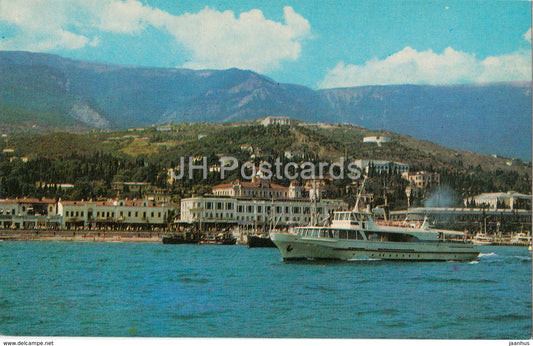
[116, 237]
[81, 236]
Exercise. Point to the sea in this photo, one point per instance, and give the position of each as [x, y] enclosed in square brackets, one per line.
[93, 289]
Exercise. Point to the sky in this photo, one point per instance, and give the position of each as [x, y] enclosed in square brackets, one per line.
[316, 43]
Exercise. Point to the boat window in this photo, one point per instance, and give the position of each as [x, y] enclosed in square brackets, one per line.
[352, 234]
[398, 237]
[330, 233]
[343, 234]
[315, 233]
[372, 236]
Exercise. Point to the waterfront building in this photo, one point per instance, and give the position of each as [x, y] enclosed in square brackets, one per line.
[473, 218]
[27, 206]
[501, 200]
[114, 213]
[28, 213]
[249, 211]
[381, 166]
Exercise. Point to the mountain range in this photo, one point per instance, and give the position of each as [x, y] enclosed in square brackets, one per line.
[49, 92]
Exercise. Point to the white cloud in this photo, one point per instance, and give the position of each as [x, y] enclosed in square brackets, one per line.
[130, 17]
[60, 39]
[217, 39]
[511, 67]
[250, 41]
[43, 25]
[412, 67]
[212, 38]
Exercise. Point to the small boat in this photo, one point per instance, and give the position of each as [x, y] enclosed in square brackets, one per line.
[521, 239]
[482, 239]
[227, 241]
[219, 239]
[260, 241]
[180, 238]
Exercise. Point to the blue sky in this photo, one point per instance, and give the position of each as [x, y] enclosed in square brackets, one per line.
[320, 44]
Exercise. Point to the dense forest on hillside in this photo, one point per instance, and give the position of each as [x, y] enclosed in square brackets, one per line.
[34, 165]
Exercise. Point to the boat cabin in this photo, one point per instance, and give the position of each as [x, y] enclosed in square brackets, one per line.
[352, 219]
[353, 234]
[350, 225]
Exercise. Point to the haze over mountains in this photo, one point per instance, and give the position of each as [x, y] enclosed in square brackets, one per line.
[62, 94]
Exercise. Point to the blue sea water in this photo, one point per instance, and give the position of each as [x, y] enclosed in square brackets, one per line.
[156, 290]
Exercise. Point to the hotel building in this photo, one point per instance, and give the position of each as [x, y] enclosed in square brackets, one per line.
[115, 213]
[256, 203]
[381, 166]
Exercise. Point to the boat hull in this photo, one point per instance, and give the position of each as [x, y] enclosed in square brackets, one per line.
[482, 242]
[257, 241]
[293, 247]
[179, 240]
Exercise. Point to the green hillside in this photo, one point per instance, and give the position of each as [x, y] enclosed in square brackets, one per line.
[16, 120]
[93, 160]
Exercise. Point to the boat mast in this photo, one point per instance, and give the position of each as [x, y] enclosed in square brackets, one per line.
[314, 218]
[356, 206]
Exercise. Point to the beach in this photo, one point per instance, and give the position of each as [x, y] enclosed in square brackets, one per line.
[83, 236]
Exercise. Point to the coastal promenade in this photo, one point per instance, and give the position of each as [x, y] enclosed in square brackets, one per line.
[84, 236]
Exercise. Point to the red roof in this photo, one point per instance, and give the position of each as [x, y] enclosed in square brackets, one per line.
[28, 201]
[249, 185]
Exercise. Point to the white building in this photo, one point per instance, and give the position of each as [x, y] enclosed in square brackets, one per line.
[276, 120]
[501, 200]
[381, 166]
[379, 140]
[116, 212]
[257, 189]
[251, 211]
[28, 213]
[27, 206]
